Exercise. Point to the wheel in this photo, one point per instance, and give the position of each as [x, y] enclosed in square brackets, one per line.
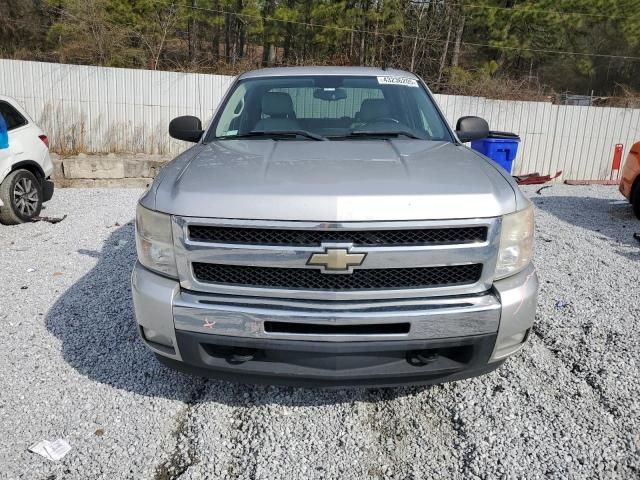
[635, 200]
[21, 194]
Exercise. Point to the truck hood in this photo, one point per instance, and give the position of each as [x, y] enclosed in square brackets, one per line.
[335, 181]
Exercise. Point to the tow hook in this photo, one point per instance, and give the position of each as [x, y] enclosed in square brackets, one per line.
[242, 355]
[425, 357]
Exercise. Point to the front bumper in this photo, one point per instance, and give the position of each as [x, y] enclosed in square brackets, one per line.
[437, 339]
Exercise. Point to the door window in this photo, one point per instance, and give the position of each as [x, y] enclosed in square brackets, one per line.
[11, 116]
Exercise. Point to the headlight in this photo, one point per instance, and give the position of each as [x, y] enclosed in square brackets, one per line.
[154, 241]
[516, 243]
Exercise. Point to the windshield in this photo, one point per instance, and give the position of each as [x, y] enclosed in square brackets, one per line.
[329, 108]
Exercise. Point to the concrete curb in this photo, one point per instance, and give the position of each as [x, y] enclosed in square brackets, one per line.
[106, 171]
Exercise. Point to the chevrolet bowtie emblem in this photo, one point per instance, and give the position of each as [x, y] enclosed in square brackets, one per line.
[336, 260]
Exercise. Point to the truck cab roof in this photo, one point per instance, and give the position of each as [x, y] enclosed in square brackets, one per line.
[306, 71]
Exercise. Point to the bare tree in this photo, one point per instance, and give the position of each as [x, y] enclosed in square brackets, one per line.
[458, 43]
[154, 35]
[421, 12]
[85, 33]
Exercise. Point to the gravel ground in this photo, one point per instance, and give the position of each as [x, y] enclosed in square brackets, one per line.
[71, 366]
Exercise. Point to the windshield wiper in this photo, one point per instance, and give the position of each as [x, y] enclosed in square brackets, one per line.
[276, 133]
[372, 133]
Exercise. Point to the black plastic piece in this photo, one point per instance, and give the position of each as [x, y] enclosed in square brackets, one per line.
[47, 190]
[427, 357]
[503, 135]
[276, 236]
[315, 363]
[313, 279]
[30, 165]
[325, 329]
[471, 128]
[187, 128]
[241, 355]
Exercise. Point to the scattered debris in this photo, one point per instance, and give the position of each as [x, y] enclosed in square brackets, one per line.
[592, 182]
[561, 304]
[53, 451]
[52, 220]
[539, 191]
[535, 178]
[120, 244]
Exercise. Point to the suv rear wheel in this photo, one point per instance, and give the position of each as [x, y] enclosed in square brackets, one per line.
[21, 193]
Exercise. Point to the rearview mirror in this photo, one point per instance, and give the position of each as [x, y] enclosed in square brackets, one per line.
[330, 94]
[472, 128]
[187, 128]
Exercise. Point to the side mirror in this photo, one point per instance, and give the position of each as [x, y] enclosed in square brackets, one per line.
[472, 128]
[186, 128]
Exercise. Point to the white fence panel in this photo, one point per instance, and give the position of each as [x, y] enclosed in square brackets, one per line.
[109, 109]
[99, 109]
[580, 141]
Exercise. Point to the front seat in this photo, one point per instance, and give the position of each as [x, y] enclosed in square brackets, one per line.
[373, 109]
[278, 107]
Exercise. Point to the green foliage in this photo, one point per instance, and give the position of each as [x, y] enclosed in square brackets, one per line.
[451, 42]
[460, 77]
[585, 67]
[488, 69]
[530, 36]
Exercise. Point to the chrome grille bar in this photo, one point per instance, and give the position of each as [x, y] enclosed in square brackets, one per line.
[190, 252]
[314, 238]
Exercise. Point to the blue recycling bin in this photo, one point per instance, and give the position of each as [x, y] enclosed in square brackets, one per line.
[501, 147]
[4, 135]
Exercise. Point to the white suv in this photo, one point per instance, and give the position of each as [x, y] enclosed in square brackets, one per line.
[25, 167]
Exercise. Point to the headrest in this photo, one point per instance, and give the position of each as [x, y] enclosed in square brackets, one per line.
[277, 104]
[373, 108]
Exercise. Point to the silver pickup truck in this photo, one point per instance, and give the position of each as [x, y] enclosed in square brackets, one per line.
[329, 228]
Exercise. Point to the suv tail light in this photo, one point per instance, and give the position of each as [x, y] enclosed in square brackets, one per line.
[44, 139]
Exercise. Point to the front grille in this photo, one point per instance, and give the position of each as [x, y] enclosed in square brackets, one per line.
[269, 236]
[311, 279]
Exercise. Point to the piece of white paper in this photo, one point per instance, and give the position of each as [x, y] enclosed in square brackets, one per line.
[53, 451]
[393, 80]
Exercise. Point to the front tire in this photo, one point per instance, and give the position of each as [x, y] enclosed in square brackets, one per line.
[635, 199]
[21, 193]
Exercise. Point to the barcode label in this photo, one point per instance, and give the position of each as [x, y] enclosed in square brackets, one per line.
[404, 81]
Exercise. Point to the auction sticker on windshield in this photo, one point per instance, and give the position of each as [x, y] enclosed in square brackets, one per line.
[406, 81]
